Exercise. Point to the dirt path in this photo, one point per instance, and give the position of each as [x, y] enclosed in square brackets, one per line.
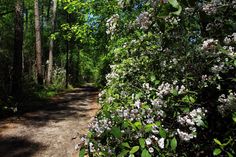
[52, 130]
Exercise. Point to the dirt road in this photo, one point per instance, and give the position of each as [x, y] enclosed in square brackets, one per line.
[53, 129]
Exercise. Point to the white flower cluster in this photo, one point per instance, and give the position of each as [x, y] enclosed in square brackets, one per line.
[111, 76]
[192, 119]
[172, 20]
[230, 39]
[112, 24]
[185, 136]
[100, 125]
[147, 88]
[121, 3]
[189, 10]
[231, 51]
[209, 8]
[212, 7]
[144, 20]
[209, 44]
[218, 68]
[228, 103]
[100, 96]
[166, 88]
[153, 139]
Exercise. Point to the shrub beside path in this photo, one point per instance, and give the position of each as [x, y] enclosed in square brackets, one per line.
[50, 129]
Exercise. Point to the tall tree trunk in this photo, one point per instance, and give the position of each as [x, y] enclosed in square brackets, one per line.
[67, 63]
[17, 57]
[67, 55]
[50, 55]
[38, 47]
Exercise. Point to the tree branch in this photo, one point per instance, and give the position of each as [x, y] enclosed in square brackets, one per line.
[5, 13]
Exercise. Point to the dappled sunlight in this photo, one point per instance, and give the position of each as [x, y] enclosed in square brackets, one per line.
[57, 121]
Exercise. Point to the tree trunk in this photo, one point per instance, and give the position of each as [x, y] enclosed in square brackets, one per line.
[67, 63]
[67, 55]
[38, 47]
[50, 55]
[17, 56]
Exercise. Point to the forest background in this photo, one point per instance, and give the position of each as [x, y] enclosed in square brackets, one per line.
[167, 69]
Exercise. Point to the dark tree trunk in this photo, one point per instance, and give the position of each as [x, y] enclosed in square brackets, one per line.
[67, 63]
[17, 56]
[38, 47]
[51, 44]
[67, 56]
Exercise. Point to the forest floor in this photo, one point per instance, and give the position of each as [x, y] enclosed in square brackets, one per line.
[50, 129]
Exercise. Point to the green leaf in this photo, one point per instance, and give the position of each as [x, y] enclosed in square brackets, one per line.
[174, 3]
[138, 125]
[123, 153]
[178, 11]
[116, 132]
[217, 142]
[145, 153]
[142, 142]
[188, 99]
[153, 78]
[174, 92]
[216, 151]
[157, 82]
[125, 124]
[192, 100]
[162, 133]
[82, 152]
[134, 149]
[228, 142]
[131, 155]
[234, 117]
[173, 143]
[126, 144]
[229, 154]
[148, 127]
[89, 134]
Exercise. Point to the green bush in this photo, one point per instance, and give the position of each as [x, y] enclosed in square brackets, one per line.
[171, 89]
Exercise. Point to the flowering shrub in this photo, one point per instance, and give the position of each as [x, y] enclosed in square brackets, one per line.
[58, 77]
[171, 89]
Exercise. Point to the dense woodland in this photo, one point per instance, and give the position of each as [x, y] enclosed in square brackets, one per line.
[166, 69]
[48, 45]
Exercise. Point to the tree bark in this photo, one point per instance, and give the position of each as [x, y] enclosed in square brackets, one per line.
[17, 56]
[51, 44]
[67, 63]
[38, 47]
[67, 55]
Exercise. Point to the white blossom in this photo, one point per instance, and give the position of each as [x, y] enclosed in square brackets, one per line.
[209, 44]
[148, 141]
[151, 150]
[184, 135]
[137, 104]
[111, 24]
[143, 20]
[161, 143]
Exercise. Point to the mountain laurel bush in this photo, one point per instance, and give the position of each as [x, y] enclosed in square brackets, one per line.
[171, 89]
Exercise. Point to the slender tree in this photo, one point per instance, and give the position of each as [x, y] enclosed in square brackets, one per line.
[67, 54]
[51, 44]
[38, 47]
[17, 56]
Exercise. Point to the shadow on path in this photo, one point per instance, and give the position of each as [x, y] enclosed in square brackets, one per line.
[22, 147]
[67, 105]
[45, 129]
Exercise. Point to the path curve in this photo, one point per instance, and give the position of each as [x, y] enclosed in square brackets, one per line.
[53, 129]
